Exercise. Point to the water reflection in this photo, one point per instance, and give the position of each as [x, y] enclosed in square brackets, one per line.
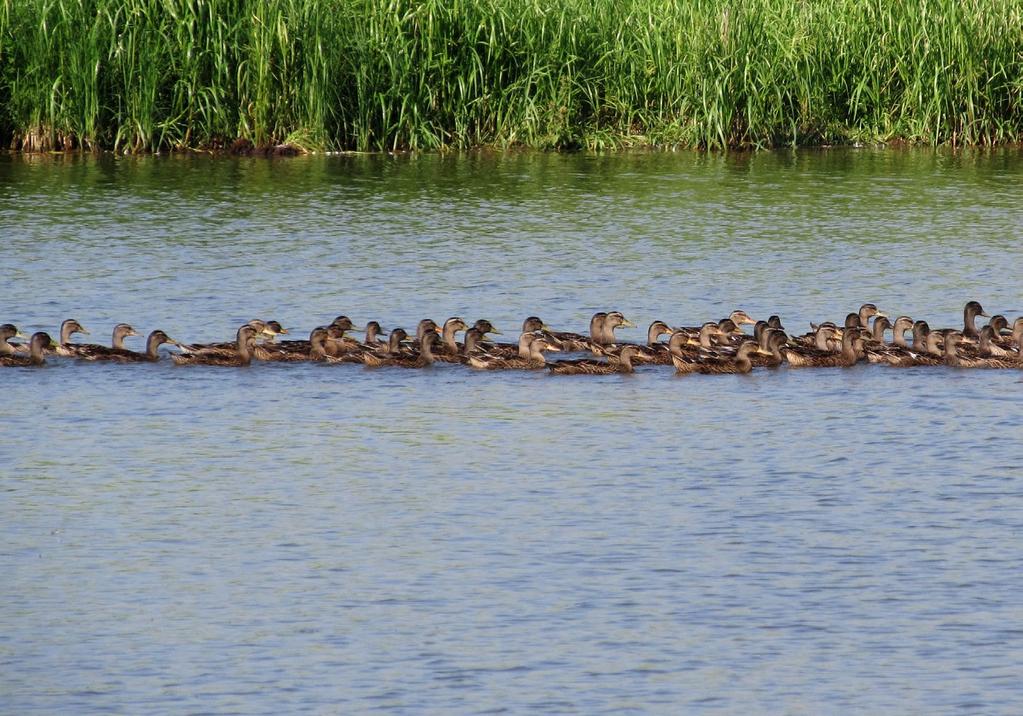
[320, 538]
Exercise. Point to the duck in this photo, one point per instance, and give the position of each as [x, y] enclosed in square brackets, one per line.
[245, 344]
[394, 348]
[970, 312]
[154, 340]
[622, 363]
[228, 348]
[534, 360]
[954, 359]
[575, 342]
[37, 346]
[605, 329]
[866, 312]
[67, 329]
[531, 326]
[7, 332]
[774, 321]
[988, 348]
[91, 351]
[851, 352]
[423, 359]
[720, 364]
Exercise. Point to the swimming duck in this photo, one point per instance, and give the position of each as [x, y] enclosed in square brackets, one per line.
[970, 313]
[575, 342]
[605, 329]
[954, 359]
[423, 359]
[533, 361]
[151, 355]
[852, 351]
[8, 331]
[395, 348]
[721, 365]
[67, 329]
[245, 344]
[37, 345]
[91, 351]
[775, 322]
[532, 325]
[620, 364]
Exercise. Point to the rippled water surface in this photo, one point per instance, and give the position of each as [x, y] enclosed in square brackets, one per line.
[333, 539]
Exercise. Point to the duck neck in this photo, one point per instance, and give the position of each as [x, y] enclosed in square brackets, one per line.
[879, 330]
[705, 338]
[35, 355]
[5, 347]
[449, 338]
[152, 346]
[117, 341]
[525, 345]
[970, 322]
[426, 350]
[536, 353]
[899, 338]
[244, 351]
[66, 330]
[821, 341]
[653, 334]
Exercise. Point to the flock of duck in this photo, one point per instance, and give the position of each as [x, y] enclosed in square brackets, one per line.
[713, 347]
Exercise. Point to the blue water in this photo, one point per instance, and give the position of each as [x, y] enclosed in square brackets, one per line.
[333, 539]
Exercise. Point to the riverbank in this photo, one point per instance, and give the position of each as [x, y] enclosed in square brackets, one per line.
[142, 75]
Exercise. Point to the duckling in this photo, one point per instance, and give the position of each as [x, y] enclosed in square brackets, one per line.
[91, 351]
[621, 364]
[242, 356]
[8, 331]
[719, 365]
[970, 312]
[38, 344]
[533, 361]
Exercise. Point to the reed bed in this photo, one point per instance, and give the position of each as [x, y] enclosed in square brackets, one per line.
[150, 75]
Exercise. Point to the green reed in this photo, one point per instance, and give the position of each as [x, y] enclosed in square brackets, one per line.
[144, 75]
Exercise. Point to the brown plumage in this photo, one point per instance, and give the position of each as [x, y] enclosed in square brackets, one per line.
[150, 355]
[242, 356]
[37, 347]
[718, 364]
[954, 359]
[92, 351]
[852, 351]
[620, 364]
[535, 359]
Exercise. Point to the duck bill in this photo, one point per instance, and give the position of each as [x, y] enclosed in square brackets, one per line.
[495, 332]
[627, 323]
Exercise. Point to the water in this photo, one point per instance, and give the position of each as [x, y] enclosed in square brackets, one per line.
[330, 539]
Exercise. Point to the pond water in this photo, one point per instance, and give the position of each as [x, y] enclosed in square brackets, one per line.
[333, 539]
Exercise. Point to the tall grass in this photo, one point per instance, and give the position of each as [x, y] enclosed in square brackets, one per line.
[141, 75]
